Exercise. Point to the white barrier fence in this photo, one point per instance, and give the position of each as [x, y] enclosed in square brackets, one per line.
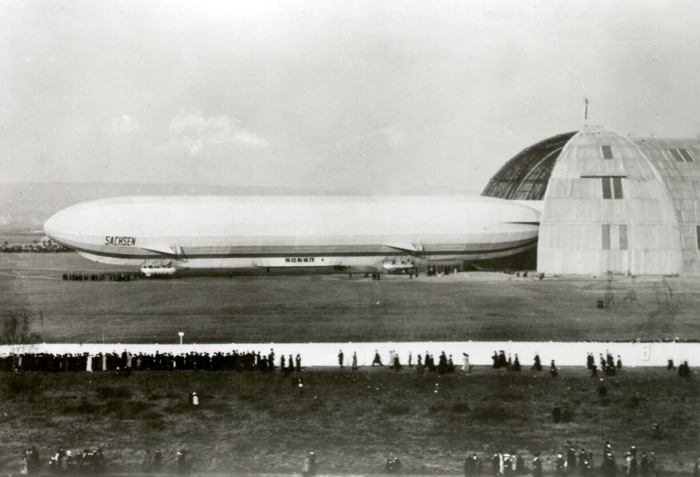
[633, 354]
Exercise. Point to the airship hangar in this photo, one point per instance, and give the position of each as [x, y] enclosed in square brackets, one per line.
[610, 203]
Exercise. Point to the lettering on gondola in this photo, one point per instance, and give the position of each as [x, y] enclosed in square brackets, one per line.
[299, 260]
[120, 241]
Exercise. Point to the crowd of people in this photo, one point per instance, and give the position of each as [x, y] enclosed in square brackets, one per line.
[563, 463]
[86, 462]
[569, 462]
[37, 246]
[101, 277]
[126, 362]
[445, 364]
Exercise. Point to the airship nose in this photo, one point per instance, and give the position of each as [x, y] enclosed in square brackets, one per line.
[62, 225]
[55, 224]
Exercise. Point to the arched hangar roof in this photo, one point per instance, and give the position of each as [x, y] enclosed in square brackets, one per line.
[525, 176]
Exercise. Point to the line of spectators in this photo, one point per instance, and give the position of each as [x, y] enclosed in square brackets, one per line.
[126, 362]
[101, 277]
[568, 462]
[89, 462]
[43, 246]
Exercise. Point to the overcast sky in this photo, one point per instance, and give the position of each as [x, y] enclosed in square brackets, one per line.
[368, 95]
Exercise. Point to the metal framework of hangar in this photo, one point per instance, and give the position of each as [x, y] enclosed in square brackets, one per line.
[611, 203]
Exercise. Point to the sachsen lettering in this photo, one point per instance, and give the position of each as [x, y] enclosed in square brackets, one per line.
[120, 241]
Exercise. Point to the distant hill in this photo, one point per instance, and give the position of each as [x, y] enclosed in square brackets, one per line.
[25, 207]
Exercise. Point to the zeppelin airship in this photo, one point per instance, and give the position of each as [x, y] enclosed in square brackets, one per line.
[229, 232]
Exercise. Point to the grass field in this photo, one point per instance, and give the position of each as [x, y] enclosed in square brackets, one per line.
[253, 422]
[332, 307]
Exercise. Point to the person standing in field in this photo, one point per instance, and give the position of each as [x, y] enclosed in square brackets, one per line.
[309, 467]
[553, 370]
[538, 364]
[340, 358]
[24, 463]
[354, 361]
[466, 367]
[537, 465]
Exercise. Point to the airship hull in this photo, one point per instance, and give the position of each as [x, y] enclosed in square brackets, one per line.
[276, 232]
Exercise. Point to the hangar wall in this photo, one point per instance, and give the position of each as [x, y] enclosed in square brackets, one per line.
[607, 210]
[678, 163]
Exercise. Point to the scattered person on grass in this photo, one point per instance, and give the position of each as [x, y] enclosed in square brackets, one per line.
[442, 364]
[538, 365]
[497, 464]
[556, 414]
[516, 363]
[566, 414]
[34, 461]
[377, 359]
[181, 458]
[146, 464]
[553, 370]
[397, 364]
[590, 361]
[571, 458]
[560, 465]
[644, 465]
[309, 467]
[392, 465]
[466, 367]
[537, 465]
[471, 465]
[157, 461]
[24, 463]
[609, 468]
